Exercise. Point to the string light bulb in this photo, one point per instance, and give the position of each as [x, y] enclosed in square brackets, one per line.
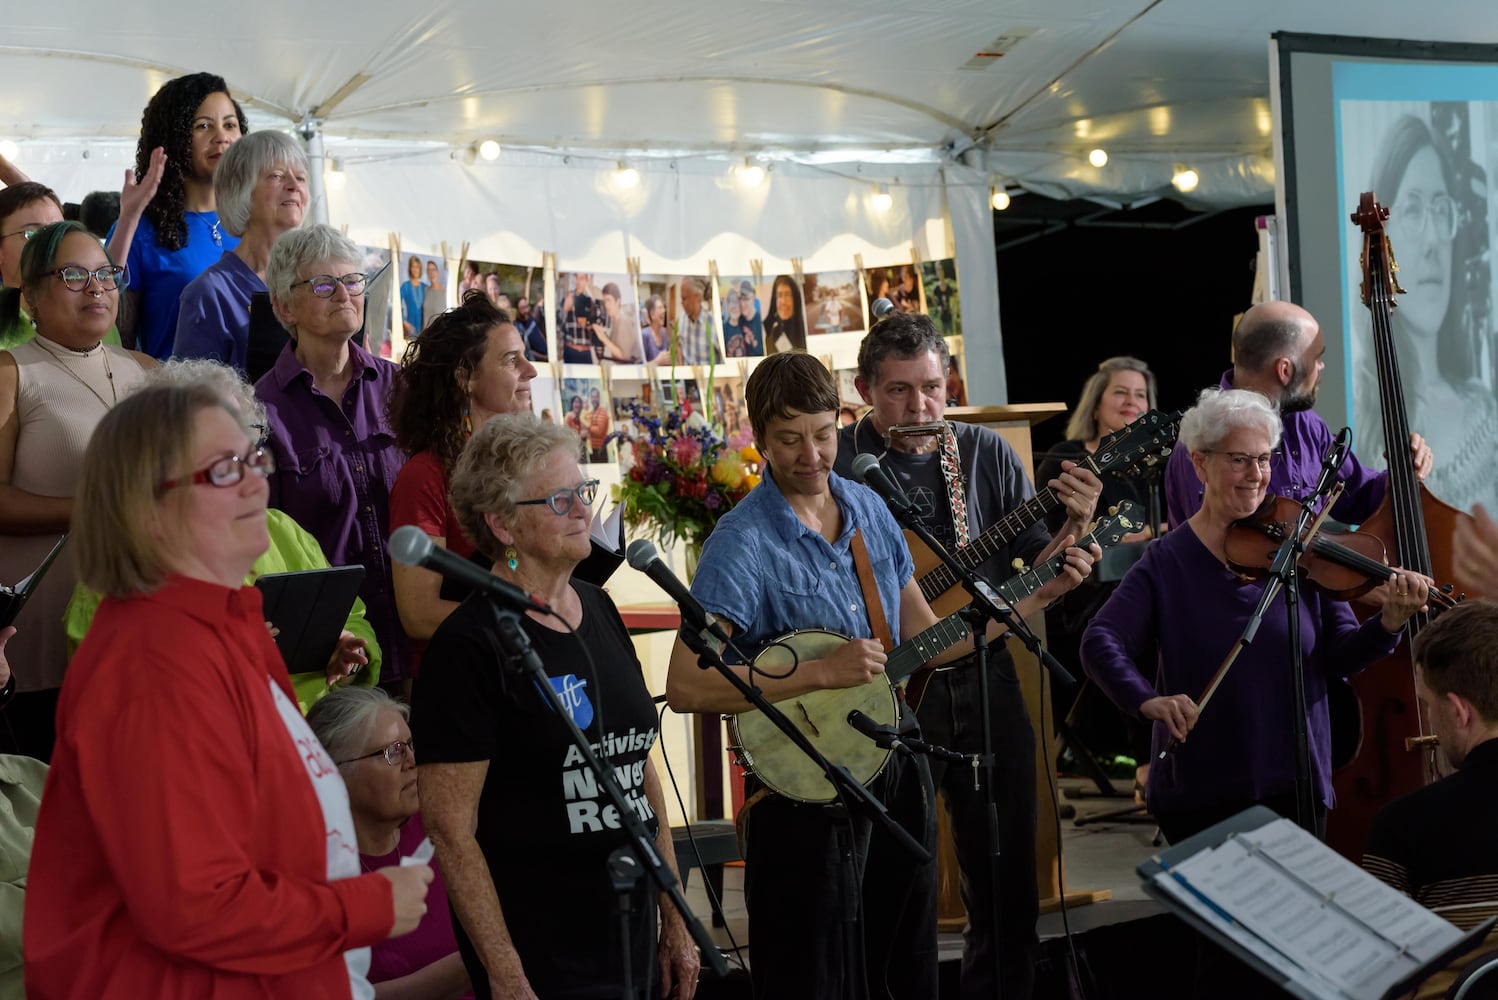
[489, 149]
[881, 199]
[1098, 158]
[998, 198]
[626, 176]
[9, 149]
[1185, 179]
[750, 174]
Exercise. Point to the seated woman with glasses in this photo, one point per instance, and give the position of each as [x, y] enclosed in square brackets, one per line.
[194, 839]
[364, 730]
[325, 402]
[54, 389]
[1159, 639]
[521, 829]
[356, 659]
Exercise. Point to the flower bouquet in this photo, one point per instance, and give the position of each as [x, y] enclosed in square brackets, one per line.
[684, 476]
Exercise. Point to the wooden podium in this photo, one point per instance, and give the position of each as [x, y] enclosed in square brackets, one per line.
[1014, 423]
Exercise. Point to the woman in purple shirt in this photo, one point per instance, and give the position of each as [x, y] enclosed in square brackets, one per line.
[325, 400]
[1156, 643]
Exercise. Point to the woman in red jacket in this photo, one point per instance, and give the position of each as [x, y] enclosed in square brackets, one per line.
[194, 840]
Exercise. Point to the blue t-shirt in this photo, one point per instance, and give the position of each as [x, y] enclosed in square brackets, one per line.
[768, 573]
[159, 276]
[413, 298]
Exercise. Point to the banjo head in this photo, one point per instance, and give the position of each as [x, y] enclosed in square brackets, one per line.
[821, 716]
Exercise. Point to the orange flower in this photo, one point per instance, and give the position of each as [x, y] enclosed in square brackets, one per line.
[750, 454]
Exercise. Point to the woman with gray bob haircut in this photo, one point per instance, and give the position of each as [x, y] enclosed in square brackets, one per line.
[260, 187]
[326, 400]
[525, 847]
[1219, 413]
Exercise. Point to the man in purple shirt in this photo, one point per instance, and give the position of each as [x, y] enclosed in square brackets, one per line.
[1277, 352]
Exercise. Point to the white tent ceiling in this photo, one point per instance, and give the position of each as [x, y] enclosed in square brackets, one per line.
[1153, 81]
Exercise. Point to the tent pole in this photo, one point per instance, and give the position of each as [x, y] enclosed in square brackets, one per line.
[310, 132]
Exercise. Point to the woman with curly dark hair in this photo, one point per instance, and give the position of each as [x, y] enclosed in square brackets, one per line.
[468, 366]
[194, 120]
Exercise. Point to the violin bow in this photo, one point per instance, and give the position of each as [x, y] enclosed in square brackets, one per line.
[1274, 585]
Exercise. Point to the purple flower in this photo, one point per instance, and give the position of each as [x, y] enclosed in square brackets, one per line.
[713, 501]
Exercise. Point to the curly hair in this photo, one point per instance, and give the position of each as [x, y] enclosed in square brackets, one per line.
[492, 471]
[167, 122]
[427, 400]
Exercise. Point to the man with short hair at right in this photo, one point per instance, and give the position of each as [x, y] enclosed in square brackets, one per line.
[1277, 352]
[1439, 844]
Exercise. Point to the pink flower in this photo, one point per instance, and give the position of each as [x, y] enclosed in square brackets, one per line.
[686, 450]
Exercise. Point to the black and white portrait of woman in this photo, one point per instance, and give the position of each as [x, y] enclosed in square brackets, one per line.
[1427, 162]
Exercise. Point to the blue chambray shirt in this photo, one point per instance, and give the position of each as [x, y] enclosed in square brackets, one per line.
[766, 572]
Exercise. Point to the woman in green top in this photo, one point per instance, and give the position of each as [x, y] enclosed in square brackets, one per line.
[357, 659]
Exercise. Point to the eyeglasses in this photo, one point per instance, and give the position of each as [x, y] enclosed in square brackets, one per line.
[25, 234]
[394, 754]
[561, 500]
[76, 279]
[1414, 213]
[1241, 460]
[324, 286]
[228, 471]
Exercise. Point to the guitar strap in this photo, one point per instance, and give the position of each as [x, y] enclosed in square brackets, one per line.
[877, 622]
[951, 474]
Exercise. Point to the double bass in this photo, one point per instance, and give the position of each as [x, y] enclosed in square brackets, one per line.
[1416, 528]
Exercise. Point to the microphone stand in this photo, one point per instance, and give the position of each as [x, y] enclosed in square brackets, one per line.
[625, 863]
[851, 796]
[984, 607]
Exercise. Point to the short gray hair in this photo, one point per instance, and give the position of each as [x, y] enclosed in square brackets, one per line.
[1219, 412]
[217, 376]
[1082, 426]
[302, 246]
[341, 719]
[240, 169]
[493, 467]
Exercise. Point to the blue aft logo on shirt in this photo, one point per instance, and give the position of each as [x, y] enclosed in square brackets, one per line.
[571, 691]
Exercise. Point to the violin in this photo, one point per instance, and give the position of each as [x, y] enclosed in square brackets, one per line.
[1345, 565]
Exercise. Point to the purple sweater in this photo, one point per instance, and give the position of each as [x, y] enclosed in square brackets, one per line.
[1293, 473]
[1167, 628]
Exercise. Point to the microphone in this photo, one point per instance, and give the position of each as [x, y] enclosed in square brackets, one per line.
[1331, 462]
[867, 470]
[410, 546]
[641, 555]
[881, 308]
[885, 736]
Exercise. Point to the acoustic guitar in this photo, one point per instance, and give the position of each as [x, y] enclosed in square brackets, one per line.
[1142, 444]
[822, 716]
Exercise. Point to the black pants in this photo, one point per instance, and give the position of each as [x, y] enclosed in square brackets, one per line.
[952, 716]
[797, 908]
[28, 725]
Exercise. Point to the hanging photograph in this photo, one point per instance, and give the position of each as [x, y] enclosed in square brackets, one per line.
[544, 398]
[834, 303]
[743, 319]
[423, 290]
[729, 411]
[374, 262]
[515, 289]
[785, 317]
[939, 278]
[694, 335]
[588, 417]
[597, 319]
[655, 322]
[847, 393]
[682, 394]
[898, 283]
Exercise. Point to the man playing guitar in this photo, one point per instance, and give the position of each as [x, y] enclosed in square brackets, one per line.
[782, 559]
[963, 478]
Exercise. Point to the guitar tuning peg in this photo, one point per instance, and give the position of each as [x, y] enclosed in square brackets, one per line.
[1112, 511]
[1019, 565]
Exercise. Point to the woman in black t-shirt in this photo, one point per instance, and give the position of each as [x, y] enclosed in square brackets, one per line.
[522, 829]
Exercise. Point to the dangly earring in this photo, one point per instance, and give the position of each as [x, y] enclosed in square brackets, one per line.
[512, 558]
[467, 420]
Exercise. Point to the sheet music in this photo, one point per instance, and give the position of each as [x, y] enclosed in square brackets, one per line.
[1332, 920]
[605, 530]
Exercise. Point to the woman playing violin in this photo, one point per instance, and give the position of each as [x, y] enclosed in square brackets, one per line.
[1182, 606]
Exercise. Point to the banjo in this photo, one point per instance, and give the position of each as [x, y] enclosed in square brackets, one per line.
[822, 716]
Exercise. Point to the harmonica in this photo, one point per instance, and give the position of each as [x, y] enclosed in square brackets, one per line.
[914, 430]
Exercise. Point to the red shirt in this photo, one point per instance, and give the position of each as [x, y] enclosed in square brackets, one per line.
[420, 497]
[179, 847]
